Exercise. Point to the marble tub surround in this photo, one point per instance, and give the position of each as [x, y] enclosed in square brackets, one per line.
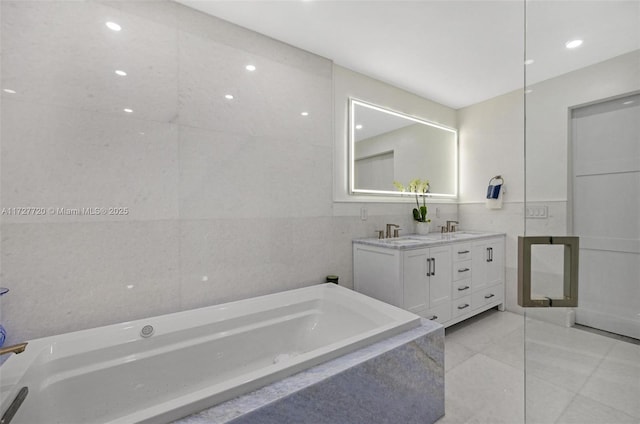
[400, 379]
[417, 241]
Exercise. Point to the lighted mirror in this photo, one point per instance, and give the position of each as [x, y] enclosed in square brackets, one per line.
[387, 146]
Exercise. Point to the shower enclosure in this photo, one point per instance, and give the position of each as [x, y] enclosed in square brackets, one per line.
[582, 213]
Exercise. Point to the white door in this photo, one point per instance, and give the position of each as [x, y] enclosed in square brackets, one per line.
[605, 137]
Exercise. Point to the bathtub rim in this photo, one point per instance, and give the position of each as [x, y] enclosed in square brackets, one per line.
[55, 347]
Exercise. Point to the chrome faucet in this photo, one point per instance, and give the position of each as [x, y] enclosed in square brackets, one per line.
[389, 234]
[451, 226]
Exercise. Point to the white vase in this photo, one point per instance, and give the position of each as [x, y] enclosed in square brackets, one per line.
[423, 227]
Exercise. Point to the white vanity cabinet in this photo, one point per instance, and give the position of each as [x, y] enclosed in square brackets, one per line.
[426, 282]
[418, 280]
[444, 278]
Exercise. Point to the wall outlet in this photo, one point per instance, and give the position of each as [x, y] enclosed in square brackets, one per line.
[363, 213]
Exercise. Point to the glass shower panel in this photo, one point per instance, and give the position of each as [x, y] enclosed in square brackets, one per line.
[582, 179]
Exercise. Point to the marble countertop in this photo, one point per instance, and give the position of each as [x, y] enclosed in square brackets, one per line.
[417, 241]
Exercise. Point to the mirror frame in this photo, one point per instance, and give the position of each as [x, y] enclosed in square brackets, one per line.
[351, 155]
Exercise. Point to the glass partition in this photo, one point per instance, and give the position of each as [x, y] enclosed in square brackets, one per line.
[582, 171]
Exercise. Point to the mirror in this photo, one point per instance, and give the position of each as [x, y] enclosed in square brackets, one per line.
[387, 146]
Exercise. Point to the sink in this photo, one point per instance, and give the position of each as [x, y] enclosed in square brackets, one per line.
[402, 242]
[458, 235]
[427, 237]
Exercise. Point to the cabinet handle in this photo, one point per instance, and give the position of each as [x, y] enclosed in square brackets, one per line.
[463, 288]
[466, 305]
[463, 270]
[463, 252]
[488, 254]
[433, 317]
[433, 261]
[428, 267]
[489, 296]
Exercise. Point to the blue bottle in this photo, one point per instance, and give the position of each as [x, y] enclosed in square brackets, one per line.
[3, 332]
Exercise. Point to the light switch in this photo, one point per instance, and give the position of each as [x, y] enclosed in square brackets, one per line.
[536, 212]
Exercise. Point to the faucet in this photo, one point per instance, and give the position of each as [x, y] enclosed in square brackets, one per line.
[451, 226]
[18, 348]
[389, 234]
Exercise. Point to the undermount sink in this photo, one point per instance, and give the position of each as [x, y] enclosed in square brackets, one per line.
[460, 234]
[444, 236]
[401, 242]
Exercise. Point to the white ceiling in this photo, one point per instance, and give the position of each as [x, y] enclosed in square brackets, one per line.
[455, 52]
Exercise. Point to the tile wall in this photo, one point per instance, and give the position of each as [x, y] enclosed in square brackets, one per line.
[224, 199]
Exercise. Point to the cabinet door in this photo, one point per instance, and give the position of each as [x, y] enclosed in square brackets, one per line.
[440, 278]
[416, 280]
[495, 265]
[376, 273]
[488, 264]
[480, 260]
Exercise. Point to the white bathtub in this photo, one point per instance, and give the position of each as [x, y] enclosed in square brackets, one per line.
[194, 359]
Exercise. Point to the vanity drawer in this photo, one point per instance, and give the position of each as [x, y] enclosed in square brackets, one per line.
[488, 295]
[441, 313]
[460, 289]
[461, 306]
[461, 252]
[461, 270]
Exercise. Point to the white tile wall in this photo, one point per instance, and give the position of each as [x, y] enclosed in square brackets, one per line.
[227, 199]
[59, 157]
[71, 276]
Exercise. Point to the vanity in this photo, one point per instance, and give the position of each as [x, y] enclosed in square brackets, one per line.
[443, 277]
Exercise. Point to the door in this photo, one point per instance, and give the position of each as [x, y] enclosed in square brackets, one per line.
[579, 259]
[427, 281]
[440, 278]
[416, 271]
[487, 264]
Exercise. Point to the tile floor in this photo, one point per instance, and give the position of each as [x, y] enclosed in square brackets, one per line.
[573, 376]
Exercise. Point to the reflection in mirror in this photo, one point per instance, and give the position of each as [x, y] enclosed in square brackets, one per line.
[387, 146]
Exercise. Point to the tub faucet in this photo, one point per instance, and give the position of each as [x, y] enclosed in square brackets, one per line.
[18, 348]
[389, 234]
[451, 226]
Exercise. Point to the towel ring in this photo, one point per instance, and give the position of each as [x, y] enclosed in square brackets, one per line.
[497, 177]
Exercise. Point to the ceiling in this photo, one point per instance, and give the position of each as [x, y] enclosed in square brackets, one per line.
[454, 52]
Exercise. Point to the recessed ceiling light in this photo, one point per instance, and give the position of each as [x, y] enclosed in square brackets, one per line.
[128, 110]
[359, 127]
[113, 26]
[121, 73]
[130, 286]
[529, 61]
[250, 68]
[527, 91]
[573, 44]
[228, 96]
[8, 90]
[628, 102]
[304, 113]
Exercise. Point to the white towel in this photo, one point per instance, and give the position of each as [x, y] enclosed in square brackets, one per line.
[496, 203]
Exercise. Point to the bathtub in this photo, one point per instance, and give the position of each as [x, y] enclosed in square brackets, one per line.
[162, 368]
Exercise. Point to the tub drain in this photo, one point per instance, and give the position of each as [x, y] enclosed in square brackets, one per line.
[147, 331]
